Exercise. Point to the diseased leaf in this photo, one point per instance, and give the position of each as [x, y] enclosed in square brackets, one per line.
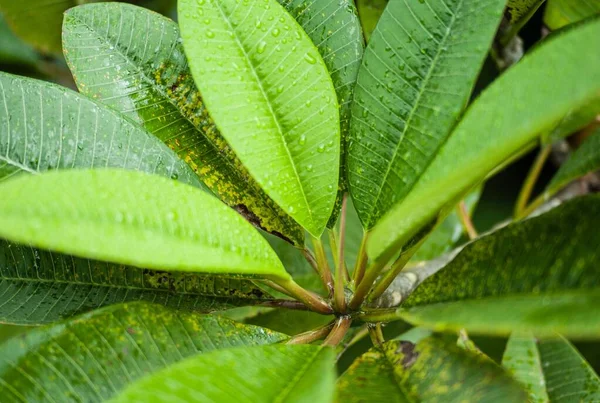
[40, 287]
[134, 219]
[538, 275]
[253, 375]
[551, 370]
[496, 128]
[370, 11]
[560, 13]
[46, 127]
[271, 96]
[132, 60]
[334, 28]
[417, 75]
[430, 371]
[95, 356]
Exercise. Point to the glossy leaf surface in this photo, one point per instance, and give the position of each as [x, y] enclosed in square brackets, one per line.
[430, 371]
[552, 370]
[560, 13]
[46, 127]
[39, 287]
[537, 275]
[95, 356]
[417, 75]
[135, 219]
[334, 28]
[270, 94]
[132, 59]
[253, 375]
[496, 128]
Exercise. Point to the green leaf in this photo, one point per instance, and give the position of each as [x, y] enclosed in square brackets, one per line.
[132, 59]
[46, 127]
[271, 96]
[370, 11]
[135, 219]
[573, 121]
[12, 49]
[94, 357]
[40, 287]
[551, 370]
[430, 371]
[333, 26]
[560, 13]
[496, 128]
[537, 275]
[519, 10]
[584, 160]
[253, 375]
[417, 75]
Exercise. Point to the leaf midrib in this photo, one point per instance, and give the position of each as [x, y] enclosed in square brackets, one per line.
[264, 94]
[412, 112]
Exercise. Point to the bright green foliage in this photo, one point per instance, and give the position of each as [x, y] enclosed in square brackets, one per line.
[573, 121]
[417, 75]
[584, 160]
[94, 357]
[537, 275]
[152, 85]
[370, 11]
[334, 28]
[433, 370]
[560, 13]
[40, 287]
[501, 123]
[134, 219]
[551, 370]
[45, 127]
[274, 103]
[252, 375]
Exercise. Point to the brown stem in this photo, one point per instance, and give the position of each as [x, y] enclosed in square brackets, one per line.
[532, 177]
[361, 262]
[284, 303]
[465, 219]
[323, 266]
[312, 335]
[276, 287]
[311, 300]
[339, 296]
[310, 258]
[342, 324]
[365, 285]
[376, 334]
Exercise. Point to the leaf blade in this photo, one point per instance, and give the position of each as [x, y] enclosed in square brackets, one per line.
[189, 231]
[296, 157]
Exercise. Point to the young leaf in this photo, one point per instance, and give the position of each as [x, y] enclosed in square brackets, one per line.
[560, 13]
[551, 370]
[132, 59]
[271, 96]
[537, 275]
[495, 128]
[40, 287]
[134, 219]
[417, 75]
[94, 357]
[46, 127]
[334, 28]
[430, 371]
[252, 375]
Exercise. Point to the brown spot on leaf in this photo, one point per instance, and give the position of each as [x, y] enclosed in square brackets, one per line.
[409, 354]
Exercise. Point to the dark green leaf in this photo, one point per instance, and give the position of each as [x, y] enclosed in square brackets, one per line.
[134, 219]
[538, 275]
[560, 13]
[259, 72]
[496, 128]
[46, 127]
[253, 375]
[334, 28]
[370, 11]
[39, 287]
[433, 370]
[417, 75]
[94, 357]
[132, 60]
[12, 49]
[551, 370]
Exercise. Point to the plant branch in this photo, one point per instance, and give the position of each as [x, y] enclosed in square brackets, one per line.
[365, 285]
[284, 303]
[530, 181]
[312, 335]
[276, 287]
[340, 328]
[465, 219]
[379, 315]
[361, 262]
[323, 268]
[339, 296]
[311, 300]
[310, 258]
[376, 334]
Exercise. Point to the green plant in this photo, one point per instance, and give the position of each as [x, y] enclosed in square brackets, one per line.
[211, 169]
